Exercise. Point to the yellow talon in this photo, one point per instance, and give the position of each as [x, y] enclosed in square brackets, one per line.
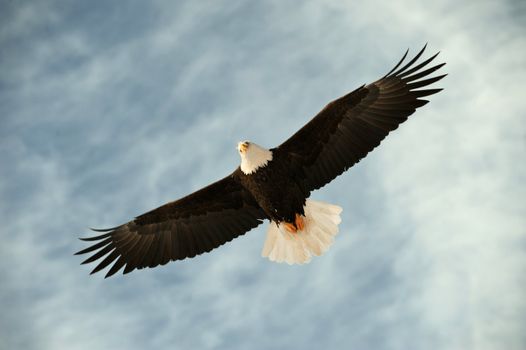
[290, 227]
[300, 224]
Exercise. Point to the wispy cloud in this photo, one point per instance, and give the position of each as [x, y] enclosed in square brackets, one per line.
[108, 111]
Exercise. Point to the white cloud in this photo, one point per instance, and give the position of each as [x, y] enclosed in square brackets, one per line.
[431, 249]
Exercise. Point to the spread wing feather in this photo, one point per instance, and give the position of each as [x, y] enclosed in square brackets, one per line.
[190, 226]
[348, 128]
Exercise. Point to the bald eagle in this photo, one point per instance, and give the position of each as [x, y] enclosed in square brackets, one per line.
[273, 184]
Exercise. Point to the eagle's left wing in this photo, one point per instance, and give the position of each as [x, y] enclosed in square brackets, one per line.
[353, 125]
[192, 225]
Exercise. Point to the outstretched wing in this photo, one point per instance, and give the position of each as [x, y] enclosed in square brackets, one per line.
[350, 127]
[192, 225]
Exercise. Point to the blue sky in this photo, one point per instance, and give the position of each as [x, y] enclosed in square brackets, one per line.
[109, 110]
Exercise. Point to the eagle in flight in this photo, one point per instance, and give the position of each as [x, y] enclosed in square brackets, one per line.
[274, 184]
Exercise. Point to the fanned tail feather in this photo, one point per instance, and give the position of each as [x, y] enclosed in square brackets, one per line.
[321, 225]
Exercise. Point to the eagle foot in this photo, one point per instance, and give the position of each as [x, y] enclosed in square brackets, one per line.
[298, 224]
[290, 227]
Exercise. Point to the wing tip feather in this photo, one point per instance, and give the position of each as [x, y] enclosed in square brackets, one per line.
[427, 92]
[397, 65]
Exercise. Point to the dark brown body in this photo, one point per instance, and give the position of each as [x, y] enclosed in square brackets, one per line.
[275, 189]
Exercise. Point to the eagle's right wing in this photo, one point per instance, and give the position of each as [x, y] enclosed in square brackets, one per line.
[192, 225]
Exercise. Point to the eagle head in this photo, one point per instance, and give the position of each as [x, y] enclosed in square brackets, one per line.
[253, 156]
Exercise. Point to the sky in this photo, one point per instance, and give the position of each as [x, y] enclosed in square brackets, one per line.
[110, 109]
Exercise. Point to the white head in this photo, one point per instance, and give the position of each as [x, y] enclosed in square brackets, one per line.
[253, 156]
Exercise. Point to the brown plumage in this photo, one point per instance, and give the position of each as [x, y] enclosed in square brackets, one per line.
[351, 126]
[338, 137]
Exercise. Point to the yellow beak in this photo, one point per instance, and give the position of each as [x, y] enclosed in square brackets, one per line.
[242, 146]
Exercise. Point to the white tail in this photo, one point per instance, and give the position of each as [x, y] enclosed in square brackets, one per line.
[321, 225]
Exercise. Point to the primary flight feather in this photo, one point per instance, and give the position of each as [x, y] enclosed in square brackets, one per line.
[273, 184]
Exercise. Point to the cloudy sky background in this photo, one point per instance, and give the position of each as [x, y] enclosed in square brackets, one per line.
[108, 110]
